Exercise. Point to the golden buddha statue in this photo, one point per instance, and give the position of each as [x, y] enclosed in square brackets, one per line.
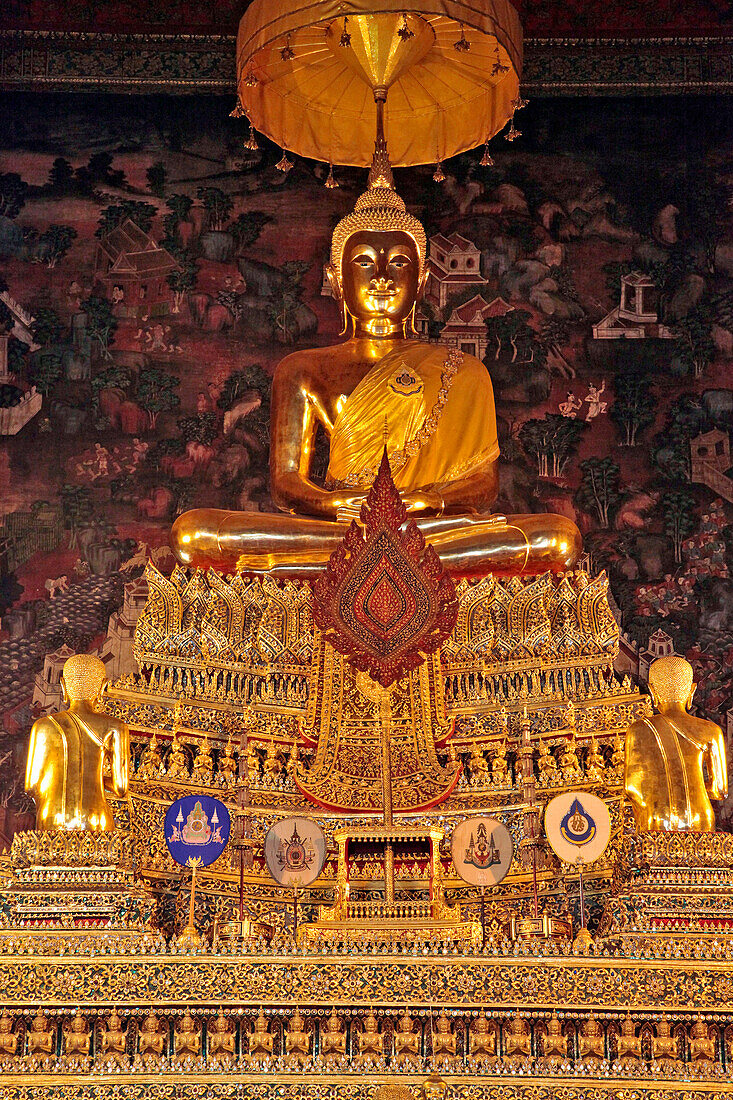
[554, 1044]
[260, 1042]
[629, 1043]
[114, 1041]
[187, 1037]
[702, 1047]
[433, 1088]
[499, 766]
[371, 1040]
[228, 765]
[151, 765]
[618, 754]
[333, 1038]
[297, 1040]
[272, 763]
[517, 1044]
[42, 1035]
[665, 1048]
[478, 769]
[444, 1041]
[177, 760]
[594, 765]
[406, 1039]
[220, 1038]
[203, 765]
[152, 1039]
[70, 751]
[483, 1038]
[674, 763]
[569, 763]
[253, 762]
[546, 764]
[77, 1039]
[433, 410]
[8, 1038]
[590, 1041]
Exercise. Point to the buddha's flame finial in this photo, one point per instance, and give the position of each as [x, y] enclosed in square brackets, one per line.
[380, 173]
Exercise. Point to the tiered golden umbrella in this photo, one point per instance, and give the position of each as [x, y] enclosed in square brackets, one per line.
[321, 77]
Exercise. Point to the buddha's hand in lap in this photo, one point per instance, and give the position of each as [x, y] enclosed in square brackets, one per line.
[421, 502]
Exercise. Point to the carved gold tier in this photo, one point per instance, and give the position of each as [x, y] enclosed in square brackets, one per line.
[672, 883]
[219, 656]
[66, 880]
[462, 983]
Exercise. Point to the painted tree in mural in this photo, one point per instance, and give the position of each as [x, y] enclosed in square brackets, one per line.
[679, 518]
[141, 213]
[247, 227]
[101, 322]
[709, 212]
[48, 328]
[77, 507]
[156, 392]
[694, 341]
[156, 175]
[510, 331]
[217, 204]
[599, 492]
[180, 205]
[181, 282]
[685, 420]
[551, 442]
[61, 177]
[13, 191]
[284, 301]
[55, 242]
[633, 409]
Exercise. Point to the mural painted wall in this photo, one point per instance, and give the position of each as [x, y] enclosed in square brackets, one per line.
[154, 271]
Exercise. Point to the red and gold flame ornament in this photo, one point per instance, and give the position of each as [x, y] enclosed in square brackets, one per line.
[384, 600]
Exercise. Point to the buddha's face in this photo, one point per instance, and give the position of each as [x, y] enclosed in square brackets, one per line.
[380, 280]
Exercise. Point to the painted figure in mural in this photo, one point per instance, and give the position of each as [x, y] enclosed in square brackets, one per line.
[69, 751]
[433, 411]
[674, 763]
[593, 400]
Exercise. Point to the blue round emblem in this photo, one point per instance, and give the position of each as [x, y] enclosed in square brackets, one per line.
[198, 826]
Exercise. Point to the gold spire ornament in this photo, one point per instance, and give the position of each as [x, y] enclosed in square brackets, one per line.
[487, 161]
[284, 164]
[438, 174]
[512, 133]
[437, 59]
[462, 45]
[331, 181]
[251, 141]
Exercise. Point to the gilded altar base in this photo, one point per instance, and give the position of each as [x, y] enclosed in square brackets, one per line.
[74, 881]
[526, 677]
[211, 649]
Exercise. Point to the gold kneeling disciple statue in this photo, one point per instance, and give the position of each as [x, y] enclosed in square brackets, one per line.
[77, 756]
[431, 407]
[674, 763]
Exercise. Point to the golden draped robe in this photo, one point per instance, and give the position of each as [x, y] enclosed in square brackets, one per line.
[665, 779]
[434, 409]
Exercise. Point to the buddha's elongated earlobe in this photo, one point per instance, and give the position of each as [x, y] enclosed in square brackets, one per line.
[344, 319]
